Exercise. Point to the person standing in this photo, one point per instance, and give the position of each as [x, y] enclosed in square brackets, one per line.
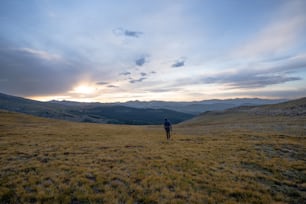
[168, 128]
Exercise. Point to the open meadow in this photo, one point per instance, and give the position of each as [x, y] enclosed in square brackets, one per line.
[217, 159]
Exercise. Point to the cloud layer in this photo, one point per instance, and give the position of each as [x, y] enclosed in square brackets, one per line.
[161, 50]
[27, 72]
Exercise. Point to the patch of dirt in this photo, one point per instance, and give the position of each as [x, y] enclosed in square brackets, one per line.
[289, 151]
[255, 167]
[292, 191]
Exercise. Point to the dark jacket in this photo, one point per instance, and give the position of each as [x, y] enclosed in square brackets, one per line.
[167, 125]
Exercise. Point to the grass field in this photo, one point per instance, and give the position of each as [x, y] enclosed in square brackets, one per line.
[233, 159]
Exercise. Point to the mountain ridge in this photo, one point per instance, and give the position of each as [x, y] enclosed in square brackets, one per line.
[192, 107]
[133, 112]
[95, 113]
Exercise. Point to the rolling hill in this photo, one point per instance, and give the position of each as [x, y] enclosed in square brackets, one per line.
[294, 110]
[242, 155]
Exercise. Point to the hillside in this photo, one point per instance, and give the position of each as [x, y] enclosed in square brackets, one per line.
[136, 116]
[293, 110]
[232, 158]
[289, 108]
[91, 112]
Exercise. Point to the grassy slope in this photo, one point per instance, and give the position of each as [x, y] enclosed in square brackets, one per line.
[228, 159]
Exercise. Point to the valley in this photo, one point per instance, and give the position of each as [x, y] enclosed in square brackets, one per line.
[129, 113]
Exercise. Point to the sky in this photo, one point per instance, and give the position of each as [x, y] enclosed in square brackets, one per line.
[171, 50]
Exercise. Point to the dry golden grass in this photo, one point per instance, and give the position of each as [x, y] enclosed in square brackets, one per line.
[228, 160]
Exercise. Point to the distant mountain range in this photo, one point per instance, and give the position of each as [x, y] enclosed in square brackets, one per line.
[132, 112]
[198, 107]
[194, 107]
[91, 112]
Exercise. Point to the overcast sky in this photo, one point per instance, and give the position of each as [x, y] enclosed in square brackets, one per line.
[175, 50]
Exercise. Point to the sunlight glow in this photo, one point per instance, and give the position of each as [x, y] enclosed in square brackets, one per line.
[84, 89]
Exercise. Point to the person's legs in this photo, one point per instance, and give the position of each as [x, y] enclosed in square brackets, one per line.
[168, 134]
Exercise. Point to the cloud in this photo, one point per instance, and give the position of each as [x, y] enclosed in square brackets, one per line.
[273, 72]
[102, 83]
[127, 33]
[286, 94]
[179, 63]
[135, 34]
[249, 80]
[143, 74]
[125, 73]
[290, 64]
[165, 89]
[112, 86]
[132, 81]
[26, 71]
[140, 61]
[40, 54]
[277, 36]
[260, 74]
